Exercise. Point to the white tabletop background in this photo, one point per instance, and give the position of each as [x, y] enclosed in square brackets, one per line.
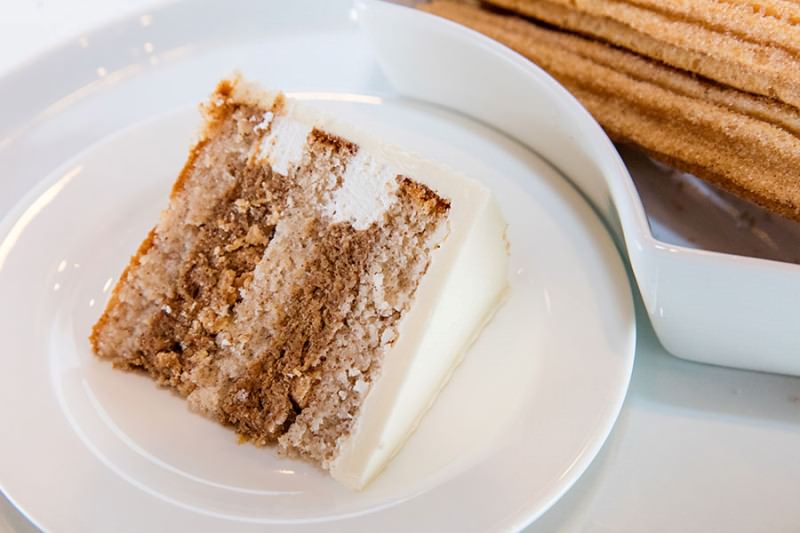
[696, 448]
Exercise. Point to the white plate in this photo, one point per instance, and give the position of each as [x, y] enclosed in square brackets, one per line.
[86, 447]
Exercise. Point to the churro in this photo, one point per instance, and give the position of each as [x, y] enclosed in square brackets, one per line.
[744, 143]
[758, 53]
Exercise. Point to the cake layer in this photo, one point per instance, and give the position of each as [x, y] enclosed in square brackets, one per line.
[306, 285]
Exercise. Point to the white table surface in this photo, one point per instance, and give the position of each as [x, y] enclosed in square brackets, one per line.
[696, 448]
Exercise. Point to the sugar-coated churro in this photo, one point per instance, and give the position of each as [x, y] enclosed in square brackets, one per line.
[745, 143]
[707, 37]
[766, 23]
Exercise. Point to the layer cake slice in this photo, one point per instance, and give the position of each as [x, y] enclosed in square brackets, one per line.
[307, 285]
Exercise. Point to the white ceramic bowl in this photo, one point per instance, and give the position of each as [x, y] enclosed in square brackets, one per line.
[706, 306]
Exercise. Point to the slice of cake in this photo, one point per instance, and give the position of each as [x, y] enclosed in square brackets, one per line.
[306, 285]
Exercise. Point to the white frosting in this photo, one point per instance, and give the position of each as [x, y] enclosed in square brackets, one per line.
[283, 146]
[464, 285]
[366, 193]
[265, 122]
[368, 184]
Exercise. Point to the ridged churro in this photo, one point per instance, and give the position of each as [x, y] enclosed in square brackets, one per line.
[730, 42]
[745, 143]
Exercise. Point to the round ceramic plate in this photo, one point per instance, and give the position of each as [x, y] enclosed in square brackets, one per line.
[97, 149]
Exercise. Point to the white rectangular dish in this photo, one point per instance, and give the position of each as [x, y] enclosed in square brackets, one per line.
[705, 306]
